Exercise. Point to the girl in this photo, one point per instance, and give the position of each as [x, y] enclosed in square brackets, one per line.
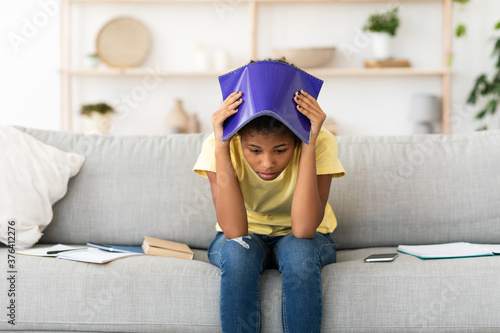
[270, 192]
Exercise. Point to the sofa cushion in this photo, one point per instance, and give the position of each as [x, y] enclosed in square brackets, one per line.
[159, 294]
[145, 293]
[410, 294]
[131, 187]
[33, 176]
[419, 189]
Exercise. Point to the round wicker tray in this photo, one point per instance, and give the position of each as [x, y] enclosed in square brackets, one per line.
[123, 42]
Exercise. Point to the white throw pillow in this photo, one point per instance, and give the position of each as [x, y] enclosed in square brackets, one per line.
[33, 176]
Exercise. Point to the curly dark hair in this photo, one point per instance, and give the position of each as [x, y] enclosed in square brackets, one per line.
[282, 60]
[267, 125]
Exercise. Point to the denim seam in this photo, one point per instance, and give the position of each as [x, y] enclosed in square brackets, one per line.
[261, 270]
[258, 327]
[283, 297]
[220, 256]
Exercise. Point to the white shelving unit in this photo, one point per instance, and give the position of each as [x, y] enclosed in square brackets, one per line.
[69, 72]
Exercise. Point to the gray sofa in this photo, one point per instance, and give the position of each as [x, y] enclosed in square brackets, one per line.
[418, 189]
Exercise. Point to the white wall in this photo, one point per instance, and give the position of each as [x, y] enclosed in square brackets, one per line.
[366, 105]
[29, 79]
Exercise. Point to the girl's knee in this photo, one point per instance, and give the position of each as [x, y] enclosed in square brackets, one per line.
[243, 254]
[293, 246]
[305, 254]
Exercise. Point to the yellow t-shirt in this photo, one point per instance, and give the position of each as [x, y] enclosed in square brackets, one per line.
[269, 203]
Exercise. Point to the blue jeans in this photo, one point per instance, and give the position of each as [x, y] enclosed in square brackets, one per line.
[299, 261]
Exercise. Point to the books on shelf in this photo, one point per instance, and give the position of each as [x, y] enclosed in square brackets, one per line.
[450, 250]
[160, 247]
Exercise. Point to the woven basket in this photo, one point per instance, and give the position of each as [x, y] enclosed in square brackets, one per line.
[123, 42]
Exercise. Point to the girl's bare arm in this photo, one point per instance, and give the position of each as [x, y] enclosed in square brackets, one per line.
[226, 192]
[312, 191]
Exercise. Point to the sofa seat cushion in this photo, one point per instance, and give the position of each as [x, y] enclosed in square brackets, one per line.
[411, 294]
[158, 294]
[145, 293]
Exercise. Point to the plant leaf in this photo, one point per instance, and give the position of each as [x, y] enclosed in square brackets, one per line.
[450, 60]
[481, 114]
[472, 97]
[484, 128]
[473, 94]
[383, 22]
[461, 30]
[497, 26]
[462, 1]
[492, 105]
[496, 48]
[486, 85]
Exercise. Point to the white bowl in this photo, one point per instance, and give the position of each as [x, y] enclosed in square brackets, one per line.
[306, 57]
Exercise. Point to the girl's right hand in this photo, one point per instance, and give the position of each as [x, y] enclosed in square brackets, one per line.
[227, 109]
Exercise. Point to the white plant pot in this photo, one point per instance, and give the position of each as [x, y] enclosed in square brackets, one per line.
[97, 123]
[381, 45]
[91, 62]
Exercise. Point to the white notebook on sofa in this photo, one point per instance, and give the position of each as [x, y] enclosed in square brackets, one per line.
[96, 256]
[450, 250]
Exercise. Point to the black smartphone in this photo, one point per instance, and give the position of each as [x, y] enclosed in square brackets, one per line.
[383, 257]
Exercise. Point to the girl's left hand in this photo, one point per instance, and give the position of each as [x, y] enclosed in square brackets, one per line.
[309, 107]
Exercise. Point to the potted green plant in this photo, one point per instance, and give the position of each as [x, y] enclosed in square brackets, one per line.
[97, 117]
[382, 28]
[489, 89]
[92, 60]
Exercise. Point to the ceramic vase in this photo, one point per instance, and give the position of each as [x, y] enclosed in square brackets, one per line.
[177, 120]
[194, 124]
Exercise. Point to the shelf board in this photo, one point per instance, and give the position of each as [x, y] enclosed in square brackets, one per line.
[143, 1]
[138, 71]
[403, 71]
[320, 72]
[336, 1]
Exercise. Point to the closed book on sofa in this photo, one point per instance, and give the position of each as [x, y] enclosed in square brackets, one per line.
[160, 247]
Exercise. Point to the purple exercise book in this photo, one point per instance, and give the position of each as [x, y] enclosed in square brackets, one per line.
[268, 88]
